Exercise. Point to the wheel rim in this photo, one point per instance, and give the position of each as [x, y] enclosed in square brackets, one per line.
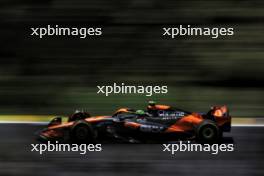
[208, 133]
[81, 133]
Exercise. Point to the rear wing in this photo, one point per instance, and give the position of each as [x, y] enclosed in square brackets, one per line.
[220, 111]
[221, 116]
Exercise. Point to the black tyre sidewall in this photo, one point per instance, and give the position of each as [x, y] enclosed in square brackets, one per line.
[211, 129]
[82, 132]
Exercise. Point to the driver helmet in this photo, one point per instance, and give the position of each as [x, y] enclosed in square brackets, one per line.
[152, 103]
[140, 112]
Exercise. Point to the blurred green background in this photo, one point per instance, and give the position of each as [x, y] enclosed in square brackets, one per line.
[57, 75]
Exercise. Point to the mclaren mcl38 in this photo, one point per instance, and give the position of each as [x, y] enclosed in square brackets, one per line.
[158, 123]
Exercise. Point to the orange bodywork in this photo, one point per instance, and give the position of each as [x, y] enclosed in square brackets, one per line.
[52, 133]
[132, 124]
[63, 125]
[221, 121]
[218, 113]
[122, 110]
[55, 132]
[159, 107]
[96, 118]
[185, 124]
[69, 124]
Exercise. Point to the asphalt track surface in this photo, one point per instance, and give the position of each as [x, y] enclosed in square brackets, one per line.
[130, 159]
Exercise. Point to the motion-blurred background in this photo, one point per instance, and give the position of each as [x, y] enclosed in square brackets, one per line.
[56, 75]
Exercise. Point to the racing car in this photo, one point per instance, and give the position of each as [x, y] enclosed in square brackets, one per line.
[157, 123]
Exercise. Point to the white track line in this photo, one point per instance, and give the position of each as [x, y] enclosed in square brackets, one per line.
[248, 125]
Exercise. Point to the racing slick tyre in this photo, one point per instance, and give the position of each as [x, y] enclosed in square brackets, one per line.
[208, 132]
[82, 132]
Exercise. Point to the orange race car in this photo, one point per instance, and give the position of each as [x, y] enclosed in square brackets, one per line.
[157, 123]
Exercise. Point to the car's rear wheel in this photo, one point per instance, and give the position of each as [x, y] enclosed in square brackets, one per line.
[82, 132]
[208, 132]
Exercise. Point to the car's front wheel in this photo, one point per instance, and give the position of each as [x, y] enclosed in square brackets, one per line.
[82, 132]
